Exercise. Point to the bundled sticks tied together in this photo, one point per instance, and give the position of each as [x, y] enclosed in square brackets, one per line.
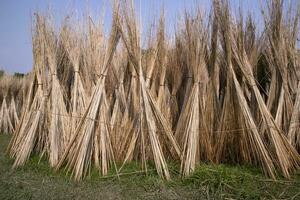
[220, 91]
[12, 92]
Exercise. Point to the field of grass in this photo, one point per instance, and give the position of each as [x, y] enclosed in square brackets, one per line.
[37, 181]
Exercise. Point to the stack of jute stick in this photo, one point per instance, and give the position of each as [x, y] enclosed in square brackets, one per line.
[221, 90]
[12, 92]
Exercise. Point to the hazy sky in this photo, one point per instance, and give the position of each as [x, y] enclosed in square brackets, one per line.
[15, 21]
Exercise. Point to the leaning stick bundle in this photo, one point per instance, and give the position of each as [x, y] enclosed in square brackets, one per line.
[6, 125]
[120, 123]
[13, 112]
[30, 134]
[59, 124]
[192, 132]
[146, 136]
[91, 141]
[278, 143]
[73, 44]
[254, 148]
[164, 98]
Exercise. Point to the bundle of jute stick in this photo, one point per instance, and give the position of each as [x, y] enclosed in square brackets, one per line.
[220, 91]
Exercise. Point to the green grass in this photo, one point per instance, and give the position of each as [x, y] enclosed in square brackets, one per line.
[37, 181]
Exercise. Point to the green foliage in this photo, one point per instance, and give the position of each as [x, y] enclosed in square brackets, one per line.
[2, 73]
[19, 75]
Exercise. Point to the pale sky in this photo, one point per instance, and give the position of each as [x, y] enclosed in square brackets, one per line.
[15, 21]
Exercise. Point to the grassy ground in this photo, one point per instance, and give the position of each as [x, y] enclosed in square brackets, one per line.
[37, 181]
